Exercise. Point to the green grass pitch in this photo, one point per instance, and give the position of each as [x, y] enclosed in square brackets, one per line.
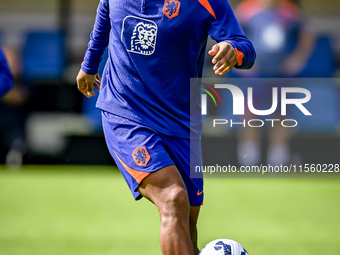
[80, 210]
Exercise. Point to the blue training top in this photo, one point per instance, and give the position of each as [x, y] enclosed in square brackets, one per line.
[6, 78]
[155, 47]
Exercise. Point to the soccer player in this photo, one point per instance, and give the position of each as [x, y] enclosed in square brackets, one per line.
[155, 47]
[6, 78]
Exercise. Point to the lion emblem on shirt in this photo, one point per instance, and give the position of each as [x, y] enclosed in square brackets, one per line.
[171, 8]
[143, 38]
[141, 156]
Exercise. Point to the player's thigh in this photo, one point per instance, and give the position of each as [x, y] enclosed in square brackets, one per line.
[137, 149]
[164, 187]
[187, 154]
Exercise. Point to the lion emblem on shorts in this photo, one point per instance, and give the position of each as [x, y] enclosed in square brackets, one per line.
[144, 38]
[141, 156]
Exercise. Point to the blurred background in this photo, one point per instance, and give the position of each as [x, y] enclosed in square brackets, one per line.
[45, 120]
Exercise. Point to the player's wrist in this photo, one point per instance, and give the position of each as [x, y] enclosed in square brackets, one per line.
[88, 70]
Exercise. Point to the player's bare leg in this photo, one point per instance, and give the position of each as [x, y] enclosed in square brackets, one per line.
[193, 217]
[166, 189]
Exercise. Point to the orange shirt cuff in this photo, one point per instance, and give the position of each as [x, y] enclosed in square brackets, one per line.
[240, 56]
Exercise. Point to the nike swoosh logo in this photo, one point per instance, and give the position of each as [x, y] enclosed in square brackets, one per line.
[199, 193]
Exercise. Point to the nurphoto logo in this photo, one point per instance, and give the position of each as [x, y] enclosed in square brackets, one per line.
[238, 106]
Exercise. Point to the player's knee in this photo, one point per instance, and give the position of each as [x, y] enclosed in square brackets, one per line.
[176, 200]
[175, 209]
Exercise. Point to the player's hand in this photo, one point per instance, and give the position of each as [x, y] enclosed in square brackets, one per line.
[225, 57]
[86, 82]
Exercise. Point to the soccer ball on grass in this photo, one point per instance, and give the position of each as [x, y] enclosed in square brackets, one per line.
[223, 247]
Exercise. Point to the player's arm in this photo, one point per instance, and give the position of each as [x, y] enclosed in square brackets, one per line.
[87, 77]
[6, 78]
[233, 49]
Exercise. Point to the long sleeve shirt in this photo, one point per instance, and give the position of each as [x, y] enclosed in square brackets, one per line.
[155, 48]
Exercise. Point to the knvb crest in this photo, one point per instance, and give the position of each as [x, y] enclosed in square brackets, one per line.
[171, 8]
[141, 156]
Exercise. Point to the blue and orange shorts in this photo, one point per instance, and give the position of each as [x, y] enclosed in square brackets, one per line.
[139, 151]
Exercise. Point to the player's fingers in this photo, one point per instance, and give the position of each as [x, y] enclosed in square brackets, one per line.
[89, 83]
[229, 61]
[222, 62]
[222, 68]
[227, 69]
[82, 87]
[223, 48]
[229, 58]
[96, 84]
[90, 91]
[98, 79]
[214, 50]
[80, 84]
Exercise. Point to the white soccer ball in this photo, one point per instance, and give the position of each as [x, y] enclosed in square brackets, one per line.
[223, 247]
